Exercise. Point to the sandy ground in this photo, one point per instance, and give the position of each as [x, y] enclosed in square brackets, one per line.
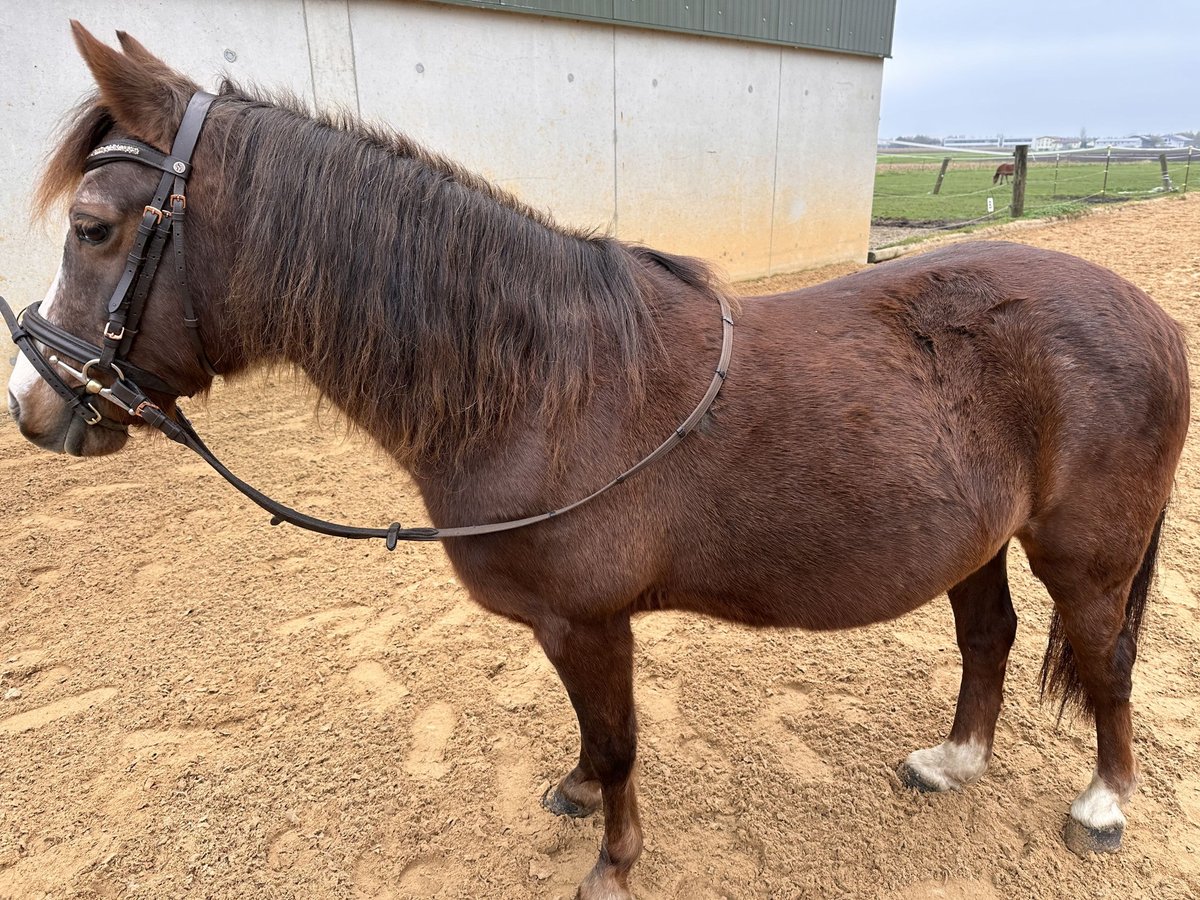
[198, 705]
[886, 235]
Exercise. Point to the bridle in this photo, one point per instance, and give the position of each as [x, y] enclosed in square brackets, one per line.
[162, 221]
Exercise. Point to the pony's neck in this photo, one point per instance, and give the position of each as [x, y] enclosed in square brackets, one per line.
[429, 306]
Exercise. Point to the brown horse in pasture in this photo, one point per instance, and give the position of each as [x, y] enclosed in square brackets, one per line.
[879, 440]
[1004, 171]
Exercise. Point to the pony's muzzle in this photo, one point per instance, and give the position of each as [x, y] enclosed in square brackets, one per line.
[47, 435]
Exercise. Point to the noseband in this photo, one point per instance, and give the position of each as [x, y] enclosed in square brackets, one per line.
[162, 220]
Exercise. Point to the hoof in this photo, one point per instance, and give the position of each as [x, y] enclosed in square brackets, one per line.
[911, 778]
[558, 803]
[1080, 839]
[605, 894]
[603, 883]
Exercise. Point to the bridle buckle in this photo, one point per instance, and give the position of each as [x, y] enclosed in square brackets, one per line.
[86, 372]
[156, 212]
[108, 333]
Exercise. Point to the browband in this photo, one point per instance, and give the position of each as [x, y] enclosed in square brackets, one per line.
[129, 150]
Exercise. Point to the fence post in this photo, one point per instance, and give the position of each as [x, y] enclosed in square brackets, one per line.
[1107, 162]
[1166, 176]
[1187, 170]
[1054, 193]
[1021, 155]
[937, 188]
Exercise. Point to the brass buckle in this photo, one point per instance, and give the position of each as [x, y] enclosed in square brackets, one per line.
[141, 407]
[113, 337]
[180, 199]
[156, 212]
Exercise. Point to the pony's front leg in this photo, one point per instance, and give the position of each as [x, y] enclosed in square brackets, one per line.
[986, 626]
[595, 661]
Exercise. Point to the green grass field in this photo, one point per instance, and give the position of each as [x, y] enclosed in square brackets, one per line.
[904, 187]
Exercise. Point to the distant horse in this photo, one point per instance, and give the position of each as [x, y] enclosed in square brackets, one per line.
[879, 441]
[1004, 171]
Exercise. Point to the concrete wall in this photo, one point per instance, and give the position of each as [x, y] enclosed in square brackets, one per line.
[758, 157]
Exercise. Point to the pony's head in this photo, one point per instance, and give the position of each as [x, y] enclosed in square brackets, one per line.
[138, 98]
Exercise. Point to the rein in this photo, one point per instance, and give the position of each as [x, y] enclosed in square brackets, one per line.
[162, 220]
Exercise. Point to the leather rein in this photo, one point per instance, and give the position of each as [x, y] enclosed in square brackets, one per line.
[162, 221]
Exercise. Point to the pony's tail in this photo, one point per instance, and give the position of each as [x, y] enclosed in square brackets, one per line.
[996, 178]
[1060, 677]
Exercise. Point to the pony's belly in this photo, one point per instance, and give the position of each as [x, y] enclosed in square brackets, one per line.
[799, 606]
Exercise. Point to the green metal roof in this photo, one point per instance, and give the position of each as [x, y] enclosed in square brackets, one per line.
[845, 26]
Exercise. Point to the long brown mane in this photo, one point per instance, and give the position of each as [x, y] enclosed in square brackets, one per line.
[407, 287]
[424, 282]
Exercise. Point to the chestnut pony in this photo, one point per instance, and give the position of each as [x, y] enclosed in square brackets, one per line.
[880, 439]
[1004, 171]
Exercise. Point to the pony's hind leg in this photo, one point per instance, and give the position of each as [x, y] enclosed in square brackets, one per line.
[986, 626]
[1098, 599]
[595, 661]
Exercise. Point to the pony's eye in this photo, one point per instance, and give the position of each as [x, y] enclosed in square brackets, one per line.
[92, 233]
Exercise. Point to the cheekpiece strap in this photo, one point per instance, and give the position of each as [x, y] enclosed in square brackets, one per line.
[189, 130]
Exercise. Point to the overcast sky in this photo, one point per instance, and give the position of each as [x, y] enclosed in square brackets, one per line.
[1042, 67]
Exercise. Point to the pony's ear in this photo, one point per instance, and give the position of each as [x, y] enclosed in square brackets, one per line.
[145, 96]
[136, 51]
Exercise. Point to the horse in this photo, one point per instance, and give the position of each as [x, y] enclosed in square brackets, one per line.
[879, 439]
[1004, 171]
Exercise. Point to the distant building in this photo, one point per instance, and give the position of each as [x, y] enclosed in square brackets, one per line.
[1049, 144]
[999, 142]
[971, 142]
[1131, 142]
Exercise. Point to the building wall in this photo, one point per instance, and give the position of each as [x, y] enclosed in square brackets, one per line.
[758, 157]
